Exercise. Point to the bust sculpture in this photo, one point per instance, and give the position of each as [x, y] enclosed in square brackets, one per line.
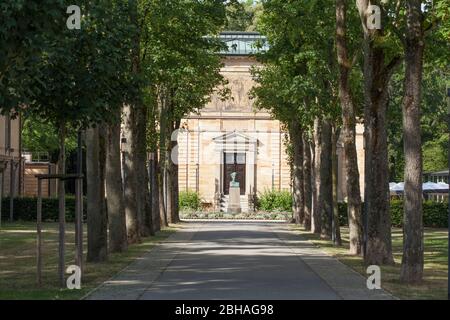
[233, 182]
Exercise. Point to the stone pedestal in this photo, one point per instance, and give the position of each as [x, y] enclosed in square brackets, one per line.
[234, 201]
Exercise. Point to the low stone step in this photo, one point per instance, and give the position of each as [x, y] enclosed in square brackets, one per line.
[224, 203]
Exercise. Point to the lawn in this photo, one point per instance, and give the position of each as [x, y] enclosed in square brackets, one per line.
[18, 261]
[434, 285]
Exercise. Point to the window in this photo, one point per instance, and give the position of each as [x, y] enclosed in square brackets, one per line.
[240, 158]
[229, 158]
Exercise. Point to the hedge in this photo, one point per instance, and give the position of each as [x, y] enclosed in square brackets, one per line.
[274, 201]
[189, 200]
[435, 214]
[25, 209]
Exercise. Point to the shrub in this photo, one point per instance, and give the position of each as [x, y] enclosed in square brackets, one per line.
[435, 214]
[275, 201]
[189, 200]
[343, 216]
[25, 208]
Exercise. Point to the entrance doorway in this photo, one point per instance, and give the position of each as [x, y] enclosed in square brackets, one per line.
[234, 162]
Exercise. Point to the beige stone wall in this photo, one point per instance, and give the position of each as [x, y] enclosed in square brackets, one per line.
[15, 138]
[10, 152]
[200, 158]
[197, 146]
[31, 182]
[256, 134]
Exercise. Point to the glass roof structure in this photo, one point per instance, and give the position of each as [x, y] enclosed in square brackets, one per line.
[243, 43]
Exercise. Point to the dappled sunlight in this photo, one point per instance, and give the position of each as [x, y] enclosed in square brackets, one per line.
[18, 260]
[434, 284]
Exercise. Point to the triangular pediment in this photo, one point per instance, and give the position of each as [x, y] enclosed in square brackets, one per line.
[234, 137]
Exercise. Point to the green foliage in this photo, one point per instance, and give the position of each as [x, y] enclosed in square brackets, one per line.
[243, 15]
[343, 216]
[25, 209]
[435, 154]
[179, 58]
[433, 122]
[189, 200]
[23, 28]
[435, 214]
[43, 137]
[74, 77]
[275, 201]
[299, 76]
[436, 73]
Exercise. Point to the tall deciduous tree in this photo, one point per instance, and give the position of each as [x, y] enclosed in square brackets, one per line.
[271, 94]
[181, 62]
[412, 259]
[305, 89]
[81, 79]
[325, 185]
[348, 129]
[296, 132]
[23, 31]
[380, 62]
[96, 210]
[307, 181]
[114, 190]
[425, 22]
[130, 176]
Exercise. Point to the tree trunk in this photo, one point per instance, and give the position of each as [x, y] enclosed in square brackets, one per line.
[175, 217]
[153, 165]
[348, 132]
[103, 136]
[326, 188]
[336, 228]
[114, 191]
[61, 204]
[134, 196]
[173, 163]
[130, 179]
[412, 259]
[307, 183]
[96, 215]
[378, 247]
[143, 201]
[167, 167]
[154, 191]
[161, 192]
[163, 129]
[164, 140]
[317, 199]
[168, 187]
[296, 134]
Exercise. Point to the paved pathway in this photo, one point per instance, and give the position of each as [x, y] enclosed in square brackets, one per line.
[236, 260]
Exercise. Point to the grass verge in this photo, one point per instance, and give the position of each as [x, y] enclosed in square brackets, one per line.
[18, 261]
[434, 284]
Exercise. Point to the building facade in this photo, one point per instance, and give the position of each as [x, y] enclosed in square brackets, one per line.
[232, 136]
[11, 163]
